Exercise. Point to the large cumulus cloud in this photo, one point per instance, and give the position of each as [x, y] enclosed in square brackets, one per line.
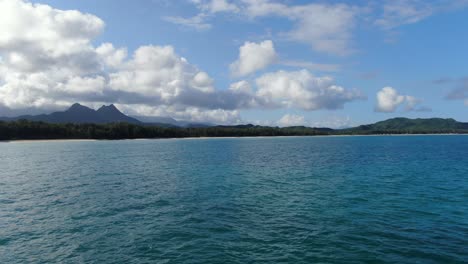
[253, 57]
[48, 61]
[303, 90]
[389, 100]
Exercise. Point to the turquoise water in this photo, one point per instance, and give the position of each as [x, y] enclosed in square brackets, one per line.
[401, 199]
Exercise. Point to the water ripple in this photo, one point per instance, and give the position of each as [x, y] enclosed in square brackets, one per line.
[271, 200]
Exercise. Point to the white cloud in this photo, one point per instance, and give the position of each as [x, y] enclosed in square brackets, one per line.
[215, 6]
[335, 122]
[411, 102]
[48, 62]
[207, 8]
[203, 82]
[44, 25]
[216, 116]
[300, 89]
[401, 12]
[197, 22]
[312, 66]
[193, 114]
[37, 37]
[157, 75]
[111, 56]
[258, 8]
[388, 101]
[83, 85]
[44, 51]
[397, 13]
[325, 27]
[253, 57]
[291, 120]
[241, 87]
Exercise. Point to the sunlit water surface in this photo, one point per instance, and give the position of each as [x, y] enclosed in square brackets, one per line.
[386, 199]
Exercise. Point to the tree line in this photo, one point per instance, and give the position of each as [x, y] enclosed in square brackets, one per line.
[24, 129]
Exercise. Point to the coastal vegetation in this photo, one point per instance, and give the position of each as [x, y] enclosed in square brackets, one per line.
[24, 129]
[402, 125]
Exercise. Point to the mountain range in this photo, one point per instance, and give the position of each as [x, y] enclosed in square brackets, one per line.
[79, 114]
[410, 126]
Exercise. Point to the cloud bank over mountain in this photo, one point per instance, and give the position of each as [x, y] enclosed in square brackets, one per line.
[48, 60]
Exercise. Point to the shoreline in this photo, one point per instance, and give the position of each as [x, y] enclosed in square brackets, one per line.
[192, 138]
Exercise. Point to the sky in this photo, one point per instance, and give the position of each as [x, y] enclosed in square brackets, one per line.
[267, 62]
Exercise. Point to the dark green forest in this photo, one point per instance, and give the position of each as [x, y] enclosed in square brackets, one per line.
[402, 125]
[23, 129]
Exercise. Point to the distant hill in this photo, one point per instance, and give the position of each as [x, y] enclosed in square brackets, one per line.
[156, 120]
[323, 130]
[402, 125]
[167, 121]
[116, 128]
[110, 114]
[80, 114]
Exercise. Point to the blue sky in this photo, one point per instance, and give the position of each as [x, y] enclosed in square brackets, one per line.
[388, 58]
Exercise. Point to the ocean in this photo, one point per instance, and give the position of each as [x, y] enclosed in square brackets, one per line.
[350, 199]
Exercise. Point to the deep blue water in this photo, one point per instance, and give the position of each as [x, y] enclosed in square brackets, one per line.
[386, 199]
